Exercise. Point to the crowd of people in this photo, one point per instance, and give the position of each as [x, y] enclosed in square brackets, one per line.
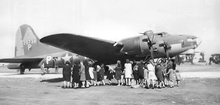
[136, 74]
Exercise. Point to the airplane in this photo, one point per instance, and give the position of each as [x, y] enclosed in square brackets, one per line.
[31, 53]
[147, 46]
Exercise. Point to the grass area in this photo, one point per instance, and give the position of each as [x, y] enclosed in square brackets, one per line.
[32, 91]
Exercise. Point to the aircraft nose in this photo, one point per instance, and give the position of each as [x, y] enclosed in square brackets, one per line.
[198, 41]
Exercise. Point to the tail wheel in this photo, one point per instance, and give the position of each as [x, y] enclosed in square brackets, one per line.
[22, 69]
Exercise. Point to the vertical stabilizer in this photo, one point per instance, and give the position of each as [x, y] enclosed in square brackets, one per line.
[26, 41]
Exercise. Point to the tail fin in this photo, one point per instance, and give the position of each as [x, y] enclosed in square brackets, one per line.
[26, 41]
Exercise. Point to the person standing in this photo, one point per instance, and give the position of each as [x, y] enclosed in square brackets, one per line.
[159, 74]
[170, 74]
[152, 76]
[88, 78]
[91, 69]
[171, 66]
[76, 75]
[178, 77]
[56, 64]
[110, 74]
[118, 72]
[66, 75]
[146, 76]
[128, 72]
[141, 72]
[102, 74]
[95, 75]
[135, 73]
[164, 71]
[82, 74]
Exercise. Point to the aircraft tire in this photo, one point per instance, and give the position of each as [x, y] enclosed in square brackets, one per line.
[22, 69]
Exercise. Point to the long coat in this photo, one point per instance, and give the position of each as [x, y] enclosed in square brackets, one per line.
[76, 75]
[82, 73]
[171, 75]
[141, 70]
[159, 73]
[118, 72]
[67, 72]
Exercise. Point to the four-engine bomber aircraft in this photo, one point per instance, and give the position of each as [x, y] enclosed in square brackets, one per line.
[149, 45]
[31, 53]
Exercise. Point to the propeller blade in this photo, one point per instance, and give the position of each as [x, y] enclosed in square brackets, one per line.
[167, 47]
[152, 40]
[167, 53]
[152, 54]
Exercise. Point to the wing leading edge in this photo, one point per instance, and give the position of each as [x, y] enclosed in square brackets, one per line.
[101, 50]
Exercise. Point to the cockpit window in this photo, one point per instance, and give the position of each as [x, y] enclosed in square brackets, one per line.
[162, 34]
[190, 40]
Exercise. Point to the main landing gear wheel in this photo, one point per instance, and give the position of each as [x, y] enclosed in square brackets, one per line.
[22, 69]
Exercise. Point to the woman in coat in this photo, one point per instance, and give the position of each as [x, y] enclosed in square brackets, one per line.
[118, 72]
[159, 74]
[66, 75]
[82, 74]
[75, 74]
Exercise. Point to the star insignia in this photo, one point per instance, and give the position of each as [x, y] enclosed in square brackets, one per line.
[66, 58]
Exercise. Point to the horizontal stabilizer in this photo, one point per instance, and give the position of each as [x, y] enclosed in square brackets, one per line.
[20, 60]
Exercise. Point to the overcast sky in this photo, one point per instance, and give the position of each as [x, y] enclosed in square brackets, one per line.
[111, 19]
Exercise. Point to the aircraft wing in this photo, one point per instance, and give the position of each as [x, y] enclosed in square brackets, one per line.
[93, 48]
[20, 60]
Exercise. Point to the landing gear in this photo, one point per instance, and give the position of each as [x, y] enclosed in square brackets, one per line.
[22, 69]
[56, 69]
[47, 70]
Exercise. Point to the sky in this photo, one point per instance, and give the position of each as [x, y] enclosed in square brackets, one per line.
[111, 19]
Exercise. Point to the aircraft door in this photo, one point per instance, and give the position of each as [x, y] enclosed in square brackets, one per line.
[143, 44]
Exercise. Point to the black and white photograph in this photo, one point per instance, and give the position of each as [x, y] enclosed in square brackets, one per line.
[109, 52]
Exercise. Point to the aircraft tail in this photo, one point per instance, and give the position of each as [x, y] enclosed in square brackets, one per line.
[26, 41]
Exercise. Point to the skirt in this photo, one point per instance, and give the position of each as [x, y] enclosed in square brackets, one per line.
[82, 77]
[66, 77]
[152, 76]
[91, 73]
[118, 75]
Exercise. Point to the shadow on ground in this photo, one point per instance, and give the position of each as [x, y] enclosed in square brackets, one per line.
[53, 80]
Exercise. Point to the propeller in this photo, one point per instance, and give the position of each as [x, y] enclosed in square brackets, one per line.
[150, 42]
[152, 48]
[166, 47]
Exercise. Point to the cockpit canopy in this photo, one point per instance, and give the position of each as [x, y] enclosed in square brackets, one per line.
[162, 34]
[150, 32]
